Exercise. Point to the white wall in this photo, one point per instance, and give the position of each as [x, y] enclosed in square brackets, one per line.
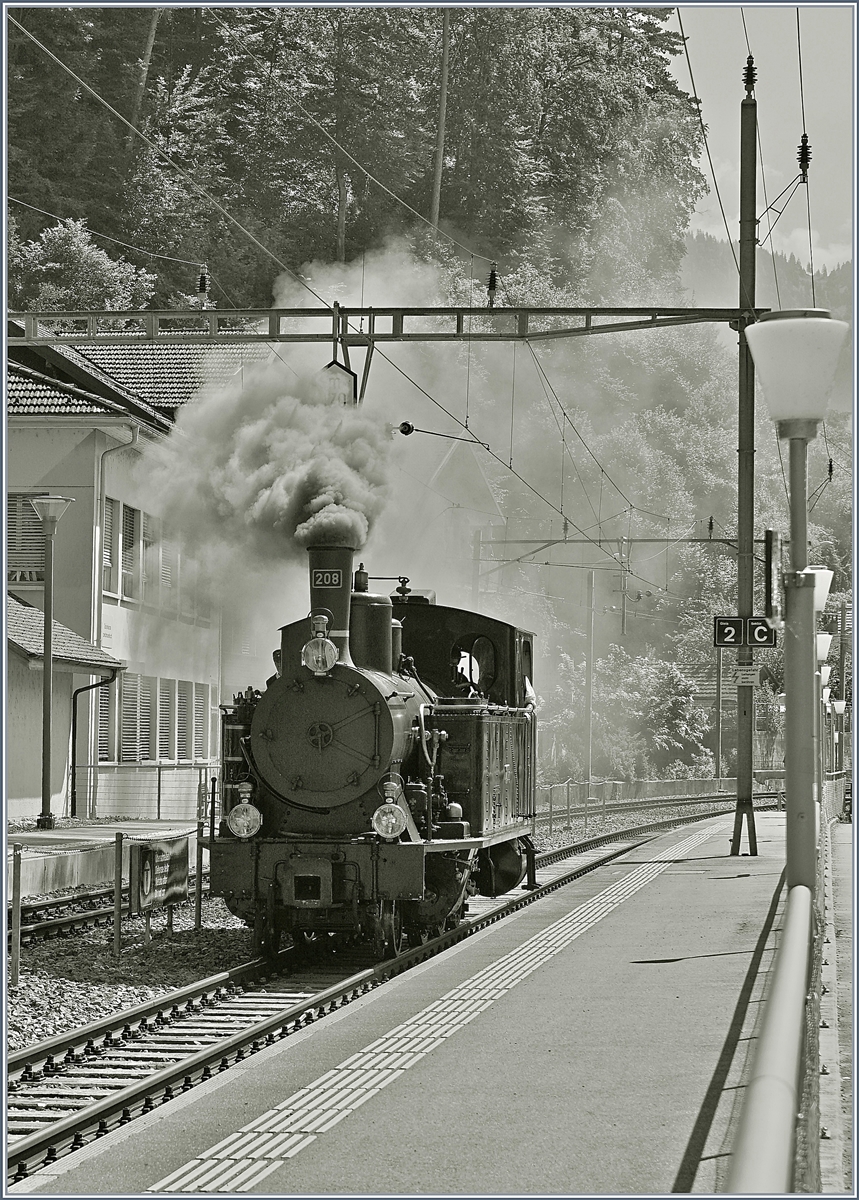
[24, 740]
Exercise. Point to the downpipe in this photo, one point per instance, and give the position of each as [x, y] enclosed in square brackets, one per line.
[763, 1152]
[73, 765]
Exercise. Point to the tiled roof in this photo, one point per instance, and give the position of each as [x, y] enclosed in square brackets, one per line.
[25, 630]
[31, 394]
[168, 376]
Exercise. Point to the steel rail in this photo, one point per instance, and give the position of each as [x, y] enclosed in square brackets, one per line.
[763, 1151]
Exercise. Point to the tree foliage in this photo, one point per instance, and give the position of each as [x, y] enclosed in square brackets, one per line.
[63, 269]
[568, 145]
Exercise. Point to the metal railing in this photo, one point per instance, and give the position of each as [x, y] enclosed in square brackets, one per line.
[776, 1149]
[148, 790]
[563, 800]
[762, 1158]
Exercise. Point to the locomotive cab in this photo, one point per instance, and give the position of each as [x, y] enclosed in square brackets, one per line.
[385, 773]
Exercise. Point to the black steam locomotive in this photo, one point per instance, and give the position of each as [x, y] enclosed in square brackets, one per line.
[385, 773]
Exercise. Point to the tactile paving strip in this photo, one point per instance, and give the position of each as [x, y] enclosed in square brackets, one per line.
[245, 1158]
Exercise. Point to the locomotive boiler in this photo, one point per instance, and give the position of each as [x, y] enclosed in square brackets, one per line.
[384, 774]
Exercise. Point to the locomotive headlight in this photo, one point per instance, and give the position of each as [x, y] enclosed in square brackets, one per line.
[319, 655]
[244, 820]
[389, 820]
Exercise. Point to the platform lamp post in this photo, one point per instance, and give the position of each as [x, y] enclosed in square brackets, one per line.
[838, 707]
[796, 353]
[49, 509]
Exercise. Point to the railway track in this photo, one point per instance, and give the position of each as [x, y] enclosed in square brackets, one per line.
[78, 1086]
[59, 916]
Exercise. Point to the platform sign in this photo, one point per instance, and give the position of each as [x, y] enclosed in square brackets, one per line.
[745, 676]
[728, 631]
[759, 632]
[158, 874]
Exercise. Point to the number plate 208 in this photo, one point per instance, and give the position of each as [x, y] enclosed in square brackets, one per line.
[326, 579]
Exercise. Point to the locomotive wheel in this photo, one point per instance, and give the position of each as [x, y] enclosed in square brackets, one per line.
[389, 938]
[266, 938]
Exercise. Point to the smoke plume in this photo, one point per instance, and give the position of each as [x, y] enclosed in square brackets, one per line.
[269, 465]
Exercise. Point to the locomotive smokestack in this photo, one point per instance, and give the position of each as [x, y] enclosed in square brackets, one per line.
[331, 592]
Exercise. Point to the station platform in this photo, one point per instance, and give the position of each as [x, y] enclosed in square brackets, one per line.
[83, 855]
[595, 1043]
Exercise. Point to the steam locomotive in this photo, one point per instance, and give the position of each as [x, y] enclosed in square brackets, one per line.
[383, 776]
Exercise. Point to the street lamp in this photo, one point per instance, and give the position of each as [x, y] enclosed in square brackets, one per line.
[795, 353]
[49, 509]
[838, 707]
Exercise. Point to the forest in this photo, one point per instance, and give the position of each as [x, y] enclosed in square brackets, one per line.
[390, 155]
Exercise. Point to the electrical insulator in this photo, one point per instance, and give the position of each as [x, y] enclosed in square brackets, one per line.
[750, 75]
[710, 526]
[830, 470]
[406, 427]
[803, 157]
[203, 285]
[492, 284]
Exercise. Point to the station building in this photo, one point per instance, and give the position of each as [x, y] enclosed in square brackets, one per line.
[77, 422]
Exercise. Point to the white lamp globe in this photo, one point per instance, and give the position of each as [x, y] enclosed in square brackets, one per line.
[796, 353]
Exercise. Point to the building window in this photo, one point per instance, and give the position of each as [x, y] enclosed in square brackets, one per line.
[25, 542]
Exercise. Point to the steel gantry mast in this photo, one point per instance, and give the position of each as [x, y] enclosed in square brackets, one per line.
[746, 460]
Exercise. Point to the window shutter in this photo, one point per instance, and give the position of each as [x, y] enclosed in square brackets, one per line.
[25, 542]
[130, 525]
[201, 704]
[144, 748]
[128, 717]
[108, 550]
[148, 535]
[104, 754]
[168, 564]
[165, 718]
[183, 722]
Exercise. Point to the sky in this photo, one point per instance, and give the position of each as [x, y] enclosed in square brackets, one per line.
[717, 50]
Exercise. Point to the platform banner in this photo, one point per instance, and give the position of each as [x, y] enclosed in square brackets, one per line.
[159, 874]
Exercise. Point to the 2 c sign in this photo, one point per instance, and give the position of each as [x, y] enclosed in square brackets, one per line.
[743, 631]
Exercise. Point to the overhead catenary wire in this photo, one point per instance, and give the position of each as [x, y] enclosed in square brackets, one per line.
[709, 156]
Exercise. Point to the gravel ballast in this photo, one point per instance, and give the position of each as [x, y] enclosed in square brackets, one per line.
[70, 981]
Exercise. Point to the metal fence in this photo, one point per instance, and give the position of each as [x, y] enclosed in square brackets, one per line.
[558, 802]
[152, 791]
